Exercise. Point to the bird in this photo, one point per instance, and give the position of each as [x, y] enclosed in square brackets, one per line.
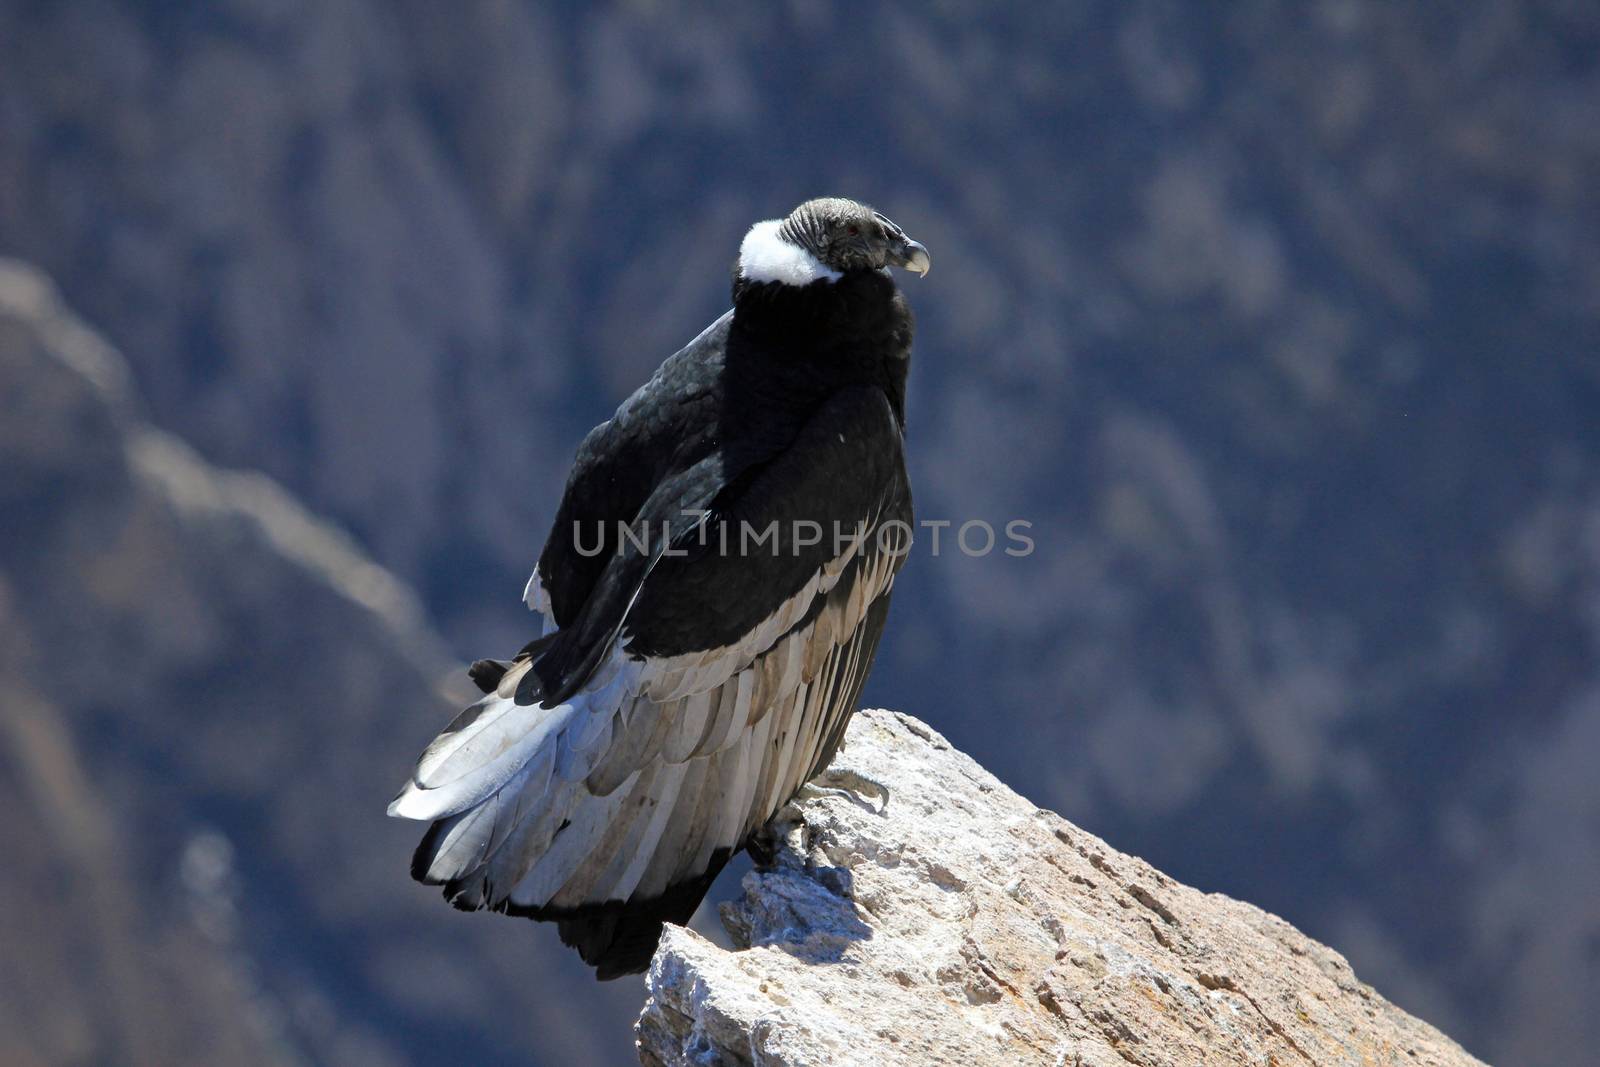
[711, 597]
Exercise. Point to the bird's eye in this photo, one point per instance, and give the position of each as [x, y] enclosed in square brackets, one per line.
[855, 231]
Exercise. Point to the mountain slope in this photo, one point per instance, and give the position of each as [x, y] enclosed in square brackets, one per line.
[209, 697]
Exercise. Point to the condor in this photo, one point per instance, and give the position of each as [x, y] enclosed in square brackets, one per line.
[687, 683]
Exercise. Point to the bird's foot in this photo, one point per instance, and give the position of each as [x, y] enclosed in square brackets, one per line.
[785, 830]
[763, 847]
[788, 829]
[848, 785]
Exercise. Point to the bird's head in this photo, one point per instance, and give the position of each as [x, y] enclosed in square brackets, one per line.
[824, 239]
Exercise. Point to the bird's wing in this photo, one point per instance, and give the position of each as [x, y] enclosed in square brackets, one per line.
[667, 424]
[725, 684]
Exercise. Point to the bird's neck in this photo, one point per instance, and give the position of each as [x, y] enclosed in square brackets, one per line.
[814, 339]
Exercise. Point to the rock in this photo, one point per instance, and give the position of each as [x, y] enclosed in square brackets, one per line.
[957, 923]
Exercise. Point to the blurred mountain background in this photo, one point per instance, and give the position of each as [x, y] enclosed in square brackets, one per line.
[1279, 322]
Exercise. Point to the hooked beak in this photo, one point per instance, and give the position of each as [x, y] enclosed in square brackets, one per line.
[911, 255]
[903, 251]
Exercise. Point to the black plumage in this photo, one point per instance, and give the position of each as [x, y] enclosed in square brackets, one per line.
[688, 684]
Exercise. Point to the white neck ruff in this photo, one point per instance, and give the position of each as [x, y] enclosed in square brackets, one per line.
[764, 256]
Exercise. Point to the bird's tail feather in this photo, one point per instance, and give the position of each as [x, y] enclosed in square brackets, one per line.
[531, 816]
[539, 838]
[618, 939]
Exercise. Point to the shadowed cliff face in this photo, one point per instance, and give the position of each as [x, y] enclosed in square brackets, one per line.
[209, 696]
[1279, 325]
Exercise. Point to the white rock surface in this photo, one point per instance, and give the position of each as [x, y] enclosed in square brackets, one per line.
[956, 923]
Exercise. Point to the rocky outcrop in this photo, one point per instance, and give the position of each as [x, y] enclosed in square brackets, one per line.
[946, 920]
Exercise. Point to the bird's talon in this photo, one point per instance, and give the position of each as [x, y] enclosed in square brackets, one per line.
[848, 785]
[763, 848]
